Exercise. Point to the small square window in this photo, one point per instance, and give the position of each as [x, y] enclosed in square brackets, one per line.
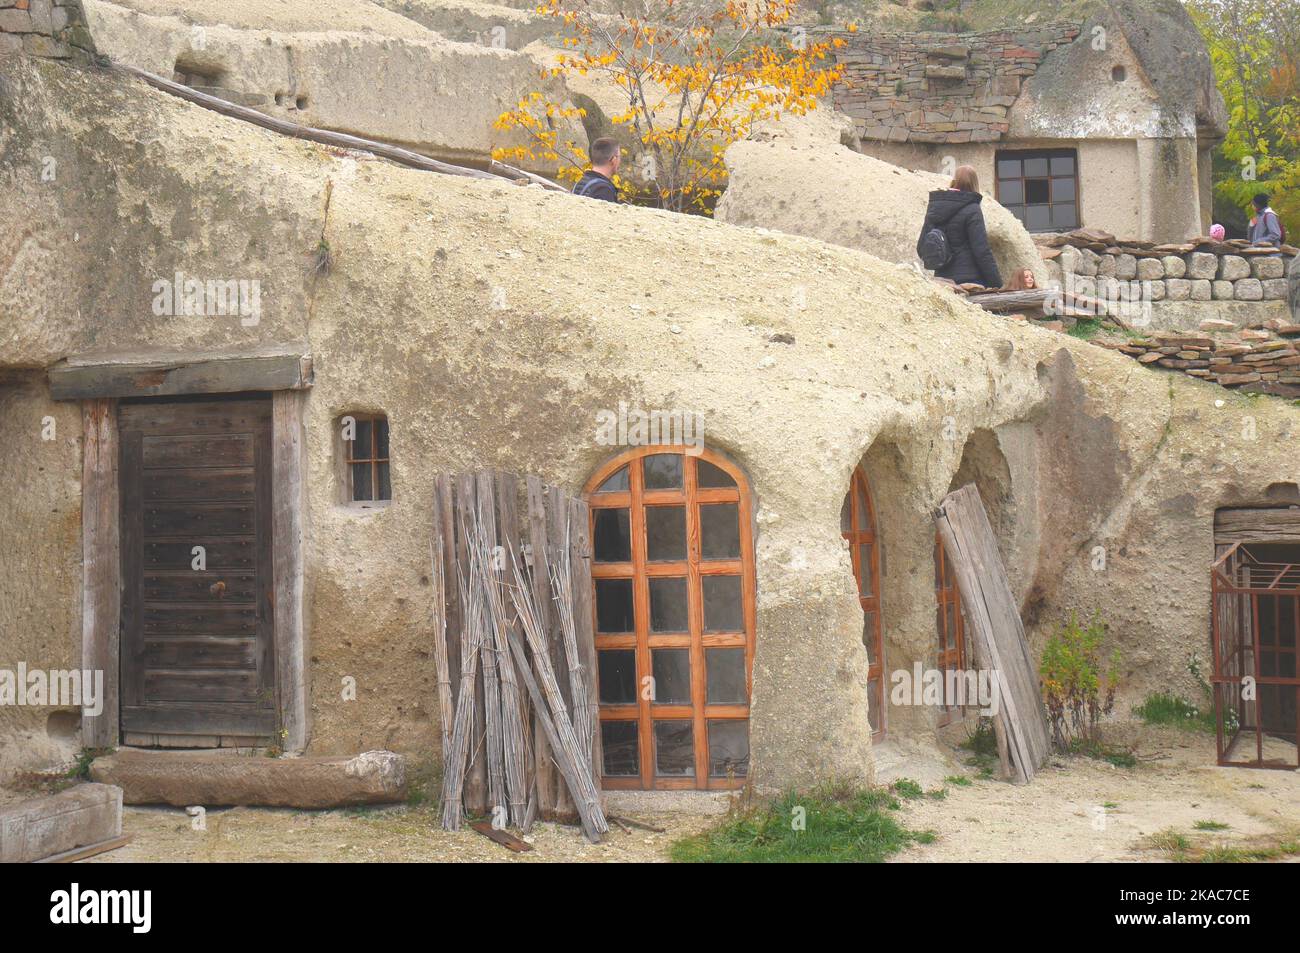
[365, 458]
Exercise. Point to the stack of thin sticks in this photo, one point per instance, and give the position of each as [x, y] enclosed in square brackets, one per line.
[515, 654]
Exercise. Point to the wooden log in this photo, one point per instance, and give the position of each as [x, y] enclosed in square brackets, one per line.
[454, 780]
[512, 713]
[324, 136]
[571, 760]
[446, 709]
[511, 172]
[482, 541]
[476, 788]
[557, 508]
[546, 780]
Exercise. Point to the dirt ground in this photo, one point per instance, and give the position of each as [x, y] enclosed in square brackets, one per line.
[1077, 809]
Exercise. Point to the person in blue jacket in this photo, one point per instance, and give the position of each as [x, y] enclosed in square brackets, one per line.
[598, 181]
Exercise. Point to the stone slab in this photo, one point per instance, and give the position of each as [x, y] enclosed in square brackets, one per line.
[44, 826]
[213, 779]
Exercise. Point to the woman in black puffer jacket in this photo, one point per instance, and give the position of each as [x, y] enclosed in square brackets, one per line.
[956, 212]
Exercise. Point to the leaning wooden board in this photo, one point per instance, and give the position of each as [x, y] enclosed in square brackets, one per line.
[999, 635]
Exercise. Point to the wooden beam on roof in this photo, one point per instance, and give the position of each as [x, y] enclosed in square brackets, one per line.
[91, 377]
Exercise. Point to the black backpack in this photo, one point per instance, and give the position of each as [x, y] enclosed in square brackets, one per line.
[935, 251]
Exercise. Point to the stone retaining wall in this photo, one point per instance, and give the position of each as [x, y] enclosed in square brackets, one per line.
[51, 28]
[1227, 274]
[939, 87]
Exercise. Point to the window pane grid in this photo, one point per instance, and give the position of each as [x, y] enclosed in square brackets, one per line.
[367, 460]
[666, 758]
[1040, 187]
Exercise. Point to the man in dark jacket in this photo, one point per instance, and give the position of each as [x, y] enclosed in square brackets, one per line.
[956, 212]
[598, 181]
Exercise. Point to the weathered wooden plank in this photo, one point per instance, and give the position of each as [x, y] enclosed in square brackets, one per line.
[514, 703]
[203, 718]
[199, 519]
[185, 585]
[288, 451]
[199, 483]
[583, 611]
[999, 638]
[193, 373]
[502, 837]
[547, 780]
[219, 552]
[217, 450]
[1262, 525]
[214, 619]
[101, 564]
[476, 787]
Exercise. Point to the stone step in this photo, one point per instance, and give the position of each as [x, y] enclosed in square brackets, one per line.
[184, 778]
[44, 826]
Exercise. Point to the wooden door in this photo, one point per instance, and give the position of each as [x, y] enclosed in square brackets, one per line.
[197, 637]
[858, 527]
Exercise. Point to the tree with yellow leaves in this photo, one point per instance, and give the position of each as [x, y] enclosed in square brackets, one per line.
[697, 76]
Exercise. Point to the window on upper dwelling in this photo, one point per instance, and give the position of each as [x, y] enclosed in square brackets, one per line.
[1040, 187]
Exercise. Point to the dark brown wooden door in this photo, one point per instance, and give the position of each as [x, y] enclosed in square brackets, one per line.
[196, 568]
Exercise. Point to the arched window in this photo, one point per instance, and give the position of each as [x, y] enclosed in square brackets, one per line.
[673, 572]
[858, 526]
[950, 626]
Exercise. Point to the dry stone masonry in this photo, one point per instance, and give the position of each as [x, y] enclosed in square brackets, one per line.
[50, 28]
[1095, 263]
[940, 87]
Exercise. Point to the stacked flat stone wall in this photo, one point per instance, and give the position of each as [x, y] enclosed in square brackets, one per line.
[939, 87]
[55, 29]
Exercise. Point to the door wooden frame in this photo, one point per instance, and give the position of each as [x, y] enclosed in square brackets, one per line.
[102, 565]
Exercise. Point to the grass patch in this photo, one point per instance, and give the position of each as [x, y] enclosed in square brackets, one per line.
[1162, 708]
[1210, 826]
[957, 780]
[982, 743]
[907, 789]
[1085, 329]
[832, 824]
[1180, 849]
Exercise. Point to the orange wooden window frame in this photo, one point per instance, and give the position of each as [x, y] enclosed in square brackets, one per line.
[635, 499]
[949, 621]
[864, 543]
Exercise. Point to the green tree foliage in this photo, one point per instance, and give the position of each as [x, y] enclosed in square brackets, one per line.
[1255, 48]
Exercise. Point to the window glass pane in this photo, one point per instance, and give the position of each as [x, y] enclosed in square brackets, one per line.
[361, 445]
[1065, 216]
[864, 507]
[674, 749]
[1035, 167]
[870, 637]
[616, 483]
[722, 604]
[614, 605]
[1062, 190]
[672, 672]
[668, 605]
[381, 437]
[720, 531]
[866, 584]
[362, 487]
[1011, 192]
[1063, 165]
[618, 742]
[385, 487]
[665, 533]
[1038, 217]
[612, 538]
[1009, 168]
[617, 676]
[711, 477]
[728, 749]
[726, 676]
[1037, 191]
[663, 471]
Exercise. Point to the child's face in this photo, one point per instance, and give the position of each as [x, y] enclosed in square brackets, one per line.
[1027, 277]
